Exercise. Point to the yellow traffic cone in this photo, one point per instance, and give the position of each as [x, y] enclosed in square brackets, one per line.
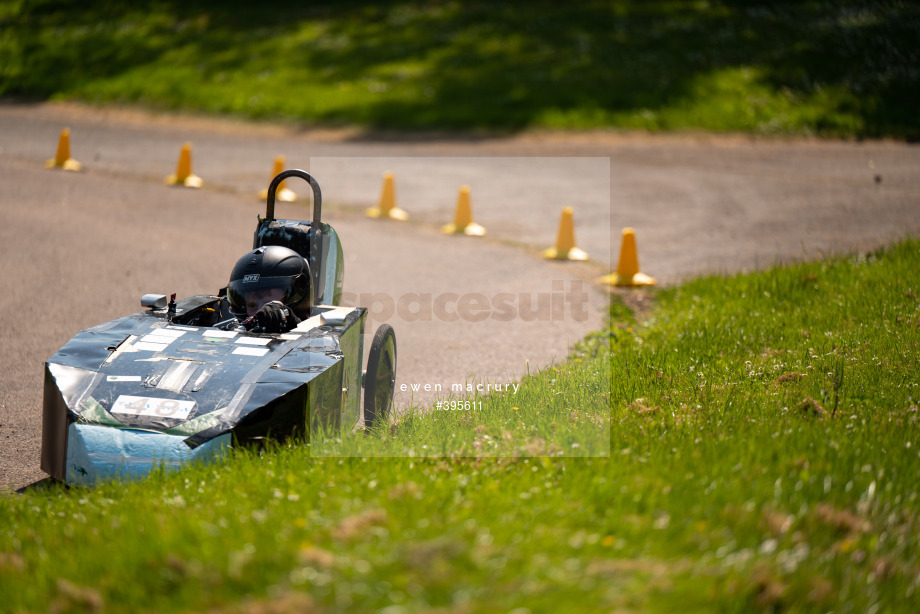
[388, 206]
[565, 240]
[463, 217]
[282, 193]
[184, 176]
[628, 268]
[62, 158]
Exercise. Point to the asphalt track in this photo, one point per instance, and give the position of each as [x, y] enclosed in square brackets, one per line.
[78, 249]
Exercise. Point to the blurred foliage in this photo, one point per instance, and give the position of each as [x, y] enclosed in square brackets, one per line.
[846, 68]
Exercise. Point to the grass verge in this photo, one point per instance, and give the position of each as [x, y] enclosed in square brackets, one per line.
[764, 456]
[844, 68]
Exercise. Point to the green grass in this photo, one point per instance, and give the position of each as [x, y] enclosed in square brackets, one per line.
[764, 456]
[560, 412]
[844, 68]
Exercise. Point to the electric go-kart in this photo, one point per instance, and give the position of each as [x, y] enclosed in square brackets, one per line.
[182, 381]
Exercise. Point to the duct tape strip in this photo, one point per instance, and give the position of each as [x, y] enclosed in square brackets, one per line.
[86, 395]
[334, 250]
[97, 453]
[94, 413]
[252, 377]
[177, 375]
[107, 326]
[237, 404]
[199, 424]
[274, 355]
[223, 422]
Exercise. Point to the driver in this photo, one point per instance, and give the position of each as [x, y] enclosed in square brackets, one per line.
[271, 287]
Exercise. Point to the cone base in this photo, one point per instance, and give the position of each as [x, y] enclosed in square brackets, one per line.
[471, 230]
[639, 279]
[192, 181]
[394, 214]
[68, 165]
[572, 254]
[284, 195]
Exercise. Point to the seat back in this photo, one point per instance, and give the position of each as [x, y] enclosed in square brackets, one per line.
[317, 242]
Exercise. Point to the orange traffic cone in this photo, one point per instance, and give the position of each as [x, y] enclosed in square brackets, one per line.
[463, 217]
[184, 176]
[62, 158]
[565, 240]
[628, 268]
[387, 207]
[282, 193]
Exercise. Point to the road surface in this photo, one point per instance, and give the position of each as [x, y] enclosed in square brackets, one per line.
[78, 249]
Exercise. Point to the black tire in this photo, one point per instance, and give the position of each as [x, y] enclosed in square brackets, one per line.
[380, 377]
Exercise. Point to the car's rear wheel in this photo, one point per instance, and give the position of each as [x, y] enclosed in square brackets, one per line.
[380, 377]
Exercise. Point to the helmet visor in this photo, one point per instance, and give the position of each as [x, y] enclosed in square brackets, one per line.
[248, 297]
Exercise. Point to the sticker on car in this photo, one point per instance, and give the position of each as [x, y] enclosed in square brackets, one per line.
[152, 406]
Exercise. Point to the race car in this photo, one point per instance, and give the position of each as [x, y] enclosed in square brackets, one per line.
[183, 380]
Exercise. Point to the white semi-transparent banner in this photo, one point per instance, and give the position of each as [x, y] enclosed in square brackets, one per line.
[473, 315]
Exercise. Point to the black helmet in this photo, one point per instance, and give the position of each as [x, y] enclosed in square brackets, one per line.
[271, 273]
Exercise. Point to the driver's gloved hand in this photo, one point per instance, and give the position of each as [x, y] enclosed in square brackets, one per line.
[275, 317]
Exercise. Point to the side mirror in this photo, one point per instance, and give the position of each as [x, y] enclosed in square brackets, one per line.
[153, 301]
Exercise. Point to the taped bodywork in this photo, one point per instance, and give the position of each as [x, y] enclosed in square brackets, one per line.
[172, 384]
[141, 390]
